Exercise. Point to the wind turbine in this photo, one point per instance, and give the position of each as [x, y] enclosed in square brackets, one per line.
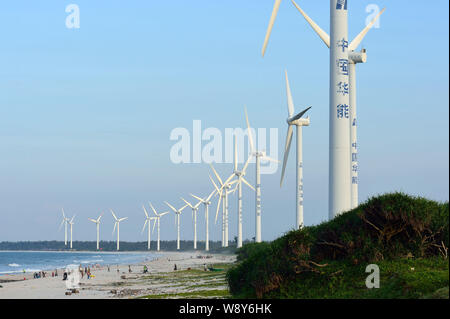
[223, 192]
[148, 220]
[206, 202]
[353, 59]
[71, 230]
[194, 217]
[177, 220]
[299, 122]
[117, 224]
[239, 174]
[259, 155]
[158, 218]
[64, 221]
[339, 116]
[97, 221]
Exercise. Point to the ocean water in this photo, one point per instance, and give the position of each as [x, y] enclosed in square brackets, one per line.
[31, 261]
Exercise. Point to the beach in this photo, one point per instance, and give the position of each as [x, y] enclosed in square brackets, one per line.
[160, 280]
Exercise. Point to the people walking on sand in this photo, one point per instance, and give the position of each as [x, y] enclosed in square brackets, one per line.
[108, 268]
[145, 269]
[175, 267]
[129, 268]
[88, 273]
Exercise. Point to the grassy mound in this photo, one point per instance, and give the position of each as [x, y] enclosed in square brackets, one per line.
[407, 237]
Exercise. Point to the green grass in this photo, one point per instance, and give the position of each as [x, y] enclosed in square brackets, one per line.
[198, 294]
[192, 283]
[397, 232]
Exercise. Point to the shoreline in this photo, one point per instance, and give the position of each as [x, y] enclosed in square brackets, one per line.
[111, 284]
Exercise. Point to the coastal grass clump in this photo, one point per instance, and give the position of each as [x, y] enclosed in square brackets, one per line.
[407, 237]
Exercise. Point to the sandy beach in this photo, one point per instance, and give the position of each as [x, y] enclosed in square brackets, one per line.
[116, 284]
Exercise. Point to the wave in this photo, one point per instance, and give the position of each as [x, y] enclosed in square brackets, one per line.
[13, 265]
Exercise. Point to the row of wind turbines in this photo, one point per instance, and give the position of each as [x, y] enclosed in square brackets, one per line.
[222, 188]
[343, 165]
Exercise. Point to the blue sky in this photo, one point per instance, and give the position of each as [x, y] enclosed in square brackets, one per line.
[86, 114]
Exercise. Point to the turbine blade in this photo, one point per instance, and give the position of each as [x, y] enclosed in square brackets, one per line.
[218, 206]
[299, 115]
[115, 225]
[145, 211]
[196, 197]
[217, 175]
[64, 215]
[215, 186]
[189, 204]
[290, 102]
[276, 7]
[182, 208]
[62, 223]
[99, 217]
[114, 215]
[250, 137]
[154, 224]
[356, 41]
[286, 151]
[122, 219]
[247, 183]
[246, 164]
[210, 195]
[171, 207]
[322, 34]
[153, 208]
[162, 214]
[143, 228]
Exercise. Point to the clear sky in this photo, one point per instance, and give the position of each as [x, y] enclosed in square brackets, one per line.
[86, 114]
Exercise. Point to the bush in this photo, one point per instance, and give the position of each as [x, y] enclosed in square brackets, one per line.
[388, 227]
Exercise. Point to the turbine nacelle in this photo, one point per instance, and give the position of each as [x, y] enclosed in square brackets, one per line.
[357, 57]
[298, 121]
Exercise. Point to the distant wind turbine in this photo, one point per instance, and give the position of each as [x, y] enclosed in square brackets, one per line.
[299, 122]
[148, 220]
[158, 219]
[177, 220]
[259, 156]
[239, 174]
[206, 202]
[64, 221]
[194, 217]
[117, 224]
[97, 222]
[223, 192]
[71, 230]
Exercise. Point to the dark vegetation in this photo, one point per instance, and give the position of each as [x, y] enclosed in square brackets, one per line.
[407, 237]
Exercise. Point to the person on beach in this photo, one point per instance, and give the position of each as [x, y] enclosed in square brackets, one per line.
[108, 268]
[129, 268]
[175, 268]
[145, 269]
[56, 272]
[88, 273]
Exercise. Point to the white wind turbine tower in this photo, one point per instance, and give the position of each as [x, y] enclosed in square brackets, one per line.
[64, 221]
[339, 114]
[194, 217]
[117, 224]
[239, 174]
[206, 202]
[353, 59]
[158, 219]
[259, 156]
[147, 222]
[177, 220]
[299, 122]
[97, 222]
[223, 192]
[71, 230]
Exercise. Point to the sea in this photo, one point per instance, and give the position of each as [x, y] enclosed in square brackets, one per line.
[31, 261]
